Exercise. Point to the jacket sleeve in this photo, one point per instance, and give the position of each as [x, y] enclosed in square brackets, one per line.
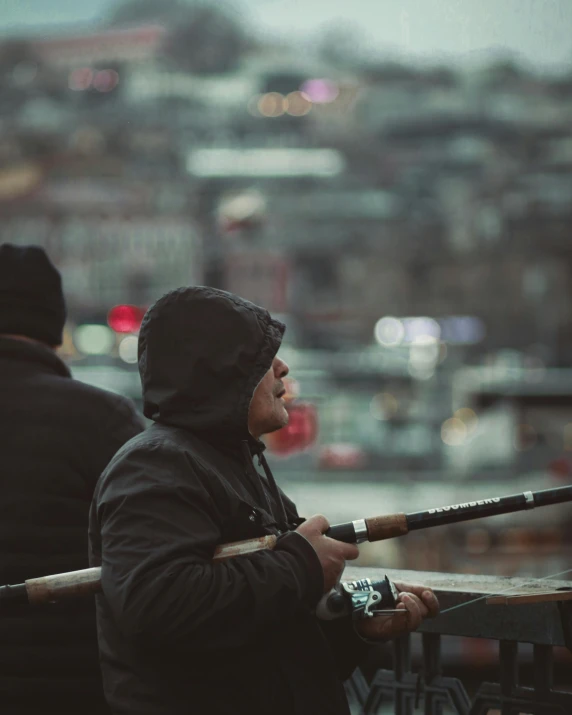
[158, 536]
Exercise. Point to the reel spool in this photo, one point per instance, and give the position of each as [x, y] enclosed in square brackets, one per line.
[359, 599]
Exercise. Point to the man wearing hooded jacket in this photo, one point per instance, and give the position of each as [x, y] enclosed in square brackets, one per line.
[179, 634]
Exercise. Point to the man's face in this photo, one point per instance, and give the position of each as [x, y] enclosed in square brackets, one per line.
[267, 412]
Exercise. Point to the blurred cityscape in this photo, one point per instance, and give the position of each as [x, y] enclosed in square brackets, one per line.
[410, 223]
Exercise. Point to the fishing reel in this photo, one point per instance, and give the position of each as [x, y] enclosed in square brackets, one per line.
[359, 599]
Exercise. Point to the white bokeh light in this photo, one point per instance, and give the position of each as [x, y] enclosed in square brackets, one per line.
[128, 349]
[389, 332]
[94, 339]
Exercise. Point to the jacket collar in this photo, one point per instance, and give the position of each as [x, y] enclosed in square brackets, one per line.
[232, 444]
[35, 353]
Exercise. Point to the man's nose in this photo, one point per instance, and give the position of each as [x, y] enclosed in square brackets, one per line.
[281, 369]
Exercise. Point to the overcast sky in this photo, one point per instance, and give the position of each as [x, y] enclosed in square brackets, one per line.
[538, 30]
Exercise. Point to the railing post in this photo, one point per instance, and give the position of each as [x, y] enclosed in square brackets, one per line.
[402, 665]
[508, 651]
[431, 670]
[543, 668]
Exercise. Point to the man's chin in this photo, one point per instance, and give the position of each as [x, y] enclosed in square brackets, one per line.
[278, 424]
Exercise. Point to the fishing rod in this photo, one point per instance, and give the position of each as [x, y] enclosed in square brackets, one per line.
[48, 589]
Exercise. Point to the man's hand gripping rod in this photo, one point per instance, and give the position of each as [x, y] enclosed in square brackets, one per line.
[378, 528]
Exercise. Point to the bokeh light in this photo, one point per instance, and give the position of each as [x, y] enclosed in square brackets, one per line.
[128, 349]
[389, 332]
[424, 353]
[94, 339]
[298, 104]
[320, 91]
[272, 104]
[421, 328]
[125, 318]
[80, 79]
[106, 80]
[468, 417]
[454, 432]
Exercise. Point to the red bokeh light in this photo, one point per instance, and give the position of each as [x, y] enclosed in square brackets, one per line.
[300, 432]
[125, 318]
[106, 80]
[80, 79]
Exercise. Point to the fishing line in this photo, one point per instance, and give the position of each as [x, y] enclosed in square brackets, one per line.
[500, 593]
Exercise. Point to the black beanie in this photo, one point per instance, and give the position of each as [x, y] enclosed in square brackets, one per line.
[31, 298]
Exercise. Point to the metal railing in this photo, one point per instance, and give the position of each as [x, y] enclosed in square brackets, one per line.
[464, 612]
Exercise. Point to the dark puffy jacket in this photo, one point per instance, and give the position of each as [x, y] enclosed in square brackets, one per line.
[177, 633]
[56, 437]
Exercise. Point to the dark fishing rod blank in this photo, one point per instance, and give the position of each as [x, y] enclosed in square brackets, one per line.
[387, 527]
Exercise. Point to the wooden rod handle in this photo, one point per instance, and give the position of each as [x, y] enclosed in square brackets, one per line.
[240, 548]
[88, 581]
[53, 588]
[386, 527]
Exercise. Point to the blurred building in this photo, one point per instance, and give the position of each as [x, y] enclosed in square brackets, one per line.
[103, 196]
[335, 195]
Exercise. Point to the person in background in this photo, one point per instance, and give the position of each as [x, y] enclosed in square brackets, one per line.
[56, 437]
[179, 634]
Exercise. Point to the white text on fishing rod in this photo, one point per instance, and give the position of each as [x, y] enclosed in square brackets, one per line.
[495, 500]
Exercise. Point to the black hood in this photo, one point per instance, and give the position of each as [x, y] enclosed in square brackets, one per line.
[202, 352]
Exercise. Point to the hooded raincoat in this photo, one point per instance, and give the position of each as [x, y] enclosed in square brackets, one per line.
[179, 634]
